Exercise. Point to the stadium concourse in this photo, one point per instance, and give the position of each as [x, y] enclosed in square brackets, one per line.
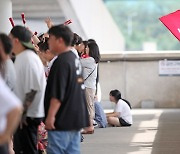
[154, 131]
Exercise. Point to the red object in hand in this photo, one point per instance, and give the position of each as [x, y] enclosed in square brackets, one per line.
[12, 22]
[23, 18]
[172, 22]
[35, 33]
[67, 22]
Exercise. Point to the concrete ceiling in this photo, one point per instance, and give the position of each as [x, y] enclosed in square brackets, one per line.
[37, 9]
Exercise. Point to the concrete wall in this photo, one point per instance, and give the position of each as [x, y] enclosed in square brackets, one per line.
[136, 75]
[5, 14]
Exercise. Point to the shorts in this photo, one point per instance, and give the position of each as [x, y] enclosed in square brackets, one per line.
[123, 123]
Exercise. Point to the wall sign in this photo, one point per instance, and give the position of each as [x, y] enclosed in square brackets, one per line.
[169, 67]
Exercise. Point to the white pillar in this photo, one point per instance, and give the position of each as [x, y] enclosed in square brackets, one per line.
[5, 14]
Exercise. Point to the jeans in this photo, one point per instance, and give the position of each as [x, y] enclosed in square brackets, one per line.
[63, 142]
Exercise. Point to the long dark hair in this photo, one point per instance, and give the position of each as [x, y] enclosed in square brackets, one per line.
[117, 95]
[94, 51]
[85, 46]
[7, 46]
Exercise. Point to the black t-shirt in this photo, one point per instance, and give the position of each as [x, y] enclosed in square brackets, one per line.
[65, 83]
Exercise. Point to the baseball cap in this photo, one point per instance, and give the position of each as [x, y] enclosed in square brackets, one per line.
[24, 36]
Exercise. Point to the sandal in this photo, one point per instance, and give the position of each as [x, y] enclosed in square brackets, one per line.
[87, 132]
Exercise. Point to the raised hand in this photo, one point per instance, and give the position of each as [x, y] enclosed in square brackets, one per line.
[49, 22]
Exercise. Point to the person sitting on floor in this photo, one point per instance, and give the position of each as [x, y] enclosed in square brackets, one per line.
[121, 117]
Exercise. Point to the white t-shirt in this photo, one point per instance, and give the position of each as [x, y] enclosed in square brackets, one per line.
[10, 74]
[48, 67]
[30, 76]
[88, 65]
[75, 52]
[8, 101]
[125, 112]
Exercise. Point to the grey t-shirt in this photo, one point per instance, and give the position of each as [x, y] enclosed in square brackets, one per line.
[89, 72]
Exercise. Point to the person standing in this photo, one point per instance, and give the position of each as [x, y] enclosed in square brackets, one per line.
[77, 40]
[46, 56]
[9, 69]
[65, 103]
[30, 88]
[10, 113]
[89, 61]
[9, 74]
[11, 107]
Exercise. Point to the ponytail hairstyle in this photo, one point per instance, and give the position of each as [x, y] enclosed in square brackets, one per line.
[117, 95]
[127, 103]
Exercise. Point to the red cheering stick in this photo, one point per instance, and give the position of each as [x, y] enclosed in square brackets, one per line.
[12, 22]
[35, 38]
[35, 33]
[23, 18]
[67, 22]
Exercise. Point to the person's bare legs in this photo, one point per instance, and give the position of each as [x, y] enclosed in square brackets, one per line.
[113, 121]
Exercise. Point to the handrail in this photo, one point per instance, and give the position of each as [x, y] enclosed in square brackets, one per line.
[141, 56]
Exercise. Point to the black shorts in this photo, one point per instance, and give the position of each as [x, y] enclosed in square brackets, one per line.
[123, 123]
[25, 139]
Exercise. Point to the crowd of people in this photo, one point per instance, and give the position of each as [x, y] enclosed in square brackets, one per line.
[49, 94]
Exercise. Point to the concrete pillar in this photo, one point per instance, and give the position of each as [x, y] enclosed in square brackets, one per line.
[95, 21]
[5, 14]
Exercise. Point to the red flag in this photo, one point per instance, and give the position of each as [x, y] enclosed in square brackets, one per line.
[172, 22]
[35, 33]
